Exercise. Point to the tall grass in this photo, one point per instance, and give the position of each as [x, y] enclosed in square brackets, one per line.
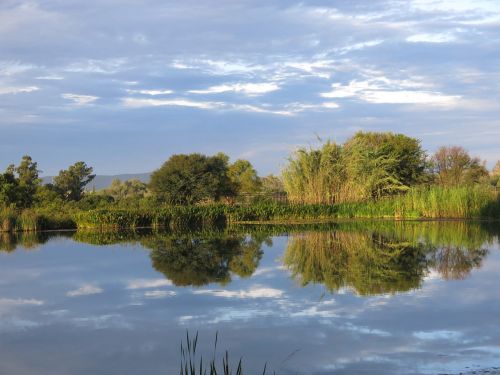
[192, 364]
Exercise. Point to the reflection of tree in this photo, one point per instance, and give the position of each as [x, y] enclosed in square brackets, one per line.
[188, 260]
[368, 263]
[372, 263]
[455, 263]
[28, 240]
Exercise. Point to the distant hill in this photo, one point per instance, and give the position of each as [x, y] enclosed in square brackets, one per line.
[101, 182]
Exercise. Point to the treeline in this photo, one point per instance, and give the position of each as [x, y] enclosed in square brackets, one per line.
[374, 165]
[370, 175]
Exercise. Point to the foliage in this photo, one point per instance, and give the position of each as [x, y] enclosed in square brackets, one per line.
[127, 189]
[385, 258]
[453, 166]
[71, 182]
[244, 177]
[367, 166]
[189, 179]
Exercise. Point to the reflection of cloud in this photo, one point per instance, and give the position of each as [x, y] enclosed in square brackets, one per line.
[102, 322]
[7, 302]
[80, 99]
[256, 292]
[148, 283]
[438, 335]
[155, 294]
[85, 290]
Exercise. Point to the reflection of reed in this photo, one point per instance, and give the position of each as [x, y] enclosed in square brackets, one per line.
[370, 264]
[395, 260]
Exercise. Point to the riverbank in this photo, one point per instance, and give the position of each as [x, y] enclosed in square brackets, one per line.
[463, 203]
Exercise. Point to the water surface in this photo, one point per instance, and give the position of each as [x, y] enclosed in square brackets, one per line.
[359, 298]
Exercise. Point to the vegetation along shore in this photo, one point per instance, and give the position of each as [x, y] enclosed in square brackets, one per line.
[371, 175]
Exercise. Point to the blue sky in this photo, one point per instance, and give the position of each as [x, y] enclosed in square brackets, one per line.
[124, 84]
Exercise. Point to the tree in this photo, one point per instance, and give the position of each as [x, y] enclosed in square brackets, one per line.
[8, 187]
[71, 182]
[379, 164]
[127, 189]
[27, 172]
[454, 166]
[244, 177]
[272, 184]
[189, 179]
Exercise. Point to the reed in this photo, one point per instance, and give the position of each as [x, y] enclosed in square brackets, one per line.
[192, 363]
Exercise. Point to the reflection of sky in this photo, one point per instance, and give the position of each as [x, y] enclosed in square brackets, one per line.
[75, 308]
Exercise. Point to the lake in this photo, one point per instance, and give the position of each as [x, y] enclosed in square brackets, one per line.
[345, 298]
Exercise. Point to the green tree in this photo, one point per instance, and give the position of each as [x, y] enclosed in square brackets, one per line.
[454, 166]
[243, 175]
[189, 179]
[379, 164]
[127, 189]
[8, 187]
[71, 182]
[27, 172]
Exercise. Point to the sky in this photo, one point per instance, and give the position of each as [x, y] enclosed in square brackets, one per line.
[124, 84]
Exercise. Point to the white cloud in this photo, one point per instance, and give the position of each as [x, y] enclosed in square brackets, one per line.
[85, 290]
[141, 103]
[410, 97]
[51, 77]
[7, 302]
[17, 90]
[251, 89]
[438, 335]
[382, 90]
[80, 100]
[107, 66]
[432, 38]
[150, 92]
[460, 6]
[148, 283]
[155, 294]
[10, 68]
[255, 292]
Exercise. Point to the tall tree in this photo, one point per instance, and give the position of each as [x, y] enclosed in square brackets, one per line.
[189, 179]
[72, 181]
[27, 172]
[454, 166]
[244, 177]
[383, 163]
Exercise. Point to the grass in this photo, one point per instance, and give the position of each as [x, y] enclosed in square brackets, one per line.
[474, 202]
[192, 364]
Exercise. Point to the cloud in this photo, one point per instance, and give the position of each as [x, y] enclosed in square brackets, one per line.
[382, 90]
[80, 100]
[438, 335]
[432, 38]
[7, 302]
[251, 89]
[85, 290]
[255, 292]
[17, 90]
[156, 294]
[206, 105]
[104, 66]
[11, 68]
[150, 92]
[148, 283]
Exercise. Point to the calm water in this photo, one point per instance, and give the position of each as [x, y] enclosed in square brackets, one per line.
[373, 298]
